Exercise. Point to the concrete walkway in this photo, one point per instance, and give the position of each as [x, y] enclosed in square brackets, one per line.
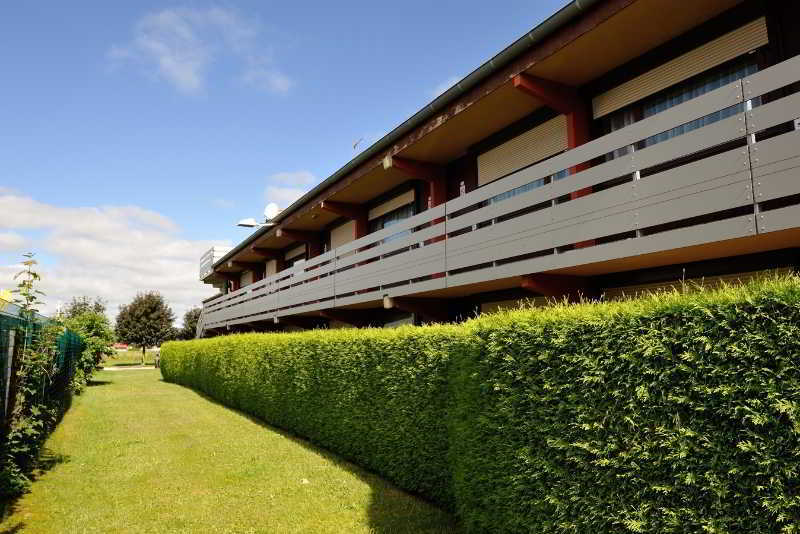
[128, 368]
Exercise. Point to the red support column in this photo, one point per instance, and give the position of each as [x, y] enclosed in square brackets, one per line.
[566, 100]
[313, 240]
[354, 212]
[436, 179]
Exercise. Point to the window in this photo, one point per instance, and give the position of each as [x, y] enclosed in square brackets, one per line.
[530, 186]
[678, 94]
[393, 217]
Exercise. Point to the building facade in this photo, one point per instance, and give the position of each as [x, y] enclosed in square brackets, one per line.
[619, 146]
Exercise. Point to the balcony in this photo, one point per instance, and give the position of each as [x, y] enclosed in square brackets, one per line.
[734, 183]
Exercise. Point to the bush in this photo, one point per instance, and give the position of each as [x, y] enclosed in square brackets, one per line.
[671, 413]
[376, 396]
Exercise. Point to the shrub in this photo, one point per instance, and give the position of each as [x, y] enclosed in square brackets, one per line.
[671, 413]
[376, 396]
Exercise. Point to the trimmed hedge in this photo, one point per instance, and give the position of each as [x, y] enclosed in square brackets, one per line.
[377, 397]
[671, 413]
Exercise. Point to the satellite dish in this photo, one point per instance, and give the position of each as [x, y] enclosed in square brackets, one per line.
[271, 211]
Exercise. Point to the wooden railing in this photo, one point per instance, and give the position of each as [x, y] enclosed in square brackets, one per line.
[716, 182]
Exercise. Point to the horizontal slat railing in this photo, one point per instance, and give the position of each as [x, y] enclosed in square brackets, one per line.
[661, 197]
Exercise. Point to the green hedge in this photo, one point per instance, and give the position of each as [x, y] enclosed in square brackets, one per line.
[377, 397]
[674, 413]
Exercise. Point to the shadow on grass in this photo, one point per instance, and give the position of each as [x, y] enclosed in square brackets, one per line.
[93, 383]
[391, 509]
[46, 461]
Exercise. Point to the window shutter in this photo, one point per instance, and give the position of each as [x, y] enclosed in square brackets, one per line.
[343, 234]
[391, 205]
[296, 251]
[526, 149]
[716, 52]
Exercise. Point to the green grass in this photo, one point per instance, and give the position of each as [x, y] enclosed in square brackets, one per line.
[129, 358]
[136, 454]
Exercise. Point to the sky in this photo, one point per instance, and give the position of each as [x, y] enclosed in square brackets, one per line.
[133, 135]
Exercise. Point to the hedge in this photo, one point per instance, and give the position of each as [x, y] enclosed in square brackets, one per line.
[377, 397]
[670, 413]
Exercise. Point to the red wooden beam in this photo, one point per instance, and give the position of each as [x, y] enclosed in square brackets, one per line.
[267, 253]
[559, 97]
[351, 211]
[566, 100]
[302, 236]
[421, 170]
[245, 265]
[354, 212]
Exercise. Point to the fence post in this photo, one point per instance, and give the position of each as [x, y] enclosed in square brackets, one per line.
[7, 371]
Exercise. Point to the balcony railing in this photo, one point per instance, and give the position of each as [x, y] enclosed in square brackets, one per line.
[732, 178]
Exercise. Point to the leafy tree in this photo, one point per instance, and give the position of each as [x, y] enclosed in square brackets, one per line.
[146, 321]
[80, 305]
[190, 319]
[98, 336]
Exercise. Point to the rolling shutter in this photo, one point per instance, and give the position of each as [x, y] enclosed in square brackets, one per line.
[391, 205]
[299, 250]
[343, 234]
[536, 144]
[722, 49]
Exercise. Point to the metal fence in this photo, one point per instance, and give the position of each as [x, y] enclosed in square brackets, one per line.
[17, 333]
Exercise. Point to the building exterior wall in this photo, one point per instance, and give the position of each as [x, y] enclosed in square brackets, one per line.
[553, 222]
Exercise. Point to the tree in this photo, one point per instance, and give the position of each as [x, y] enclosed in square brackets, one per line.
[146, 321]
[190, 319]
[80, 305]
[97, 335]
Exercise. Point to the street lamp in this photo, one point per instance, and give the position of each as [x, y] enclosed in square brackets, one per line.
[270, 212]
[252, 223]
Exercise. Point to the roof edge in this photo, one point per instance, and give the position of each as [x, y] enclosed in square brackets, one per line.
[547, 27]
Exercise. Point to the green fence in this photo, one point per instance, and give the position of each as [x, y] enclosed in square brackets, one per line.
[17, 333]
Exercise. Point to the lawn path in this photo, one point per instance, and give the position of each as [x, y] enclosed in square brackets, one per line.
[141, 455]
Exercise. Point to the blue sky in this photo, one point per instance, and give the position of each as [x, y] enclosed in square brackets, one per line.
[164, 122]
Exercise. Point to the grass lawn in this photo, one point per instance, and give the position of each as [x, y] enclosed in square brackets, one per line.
[129, 357]
[135, 454]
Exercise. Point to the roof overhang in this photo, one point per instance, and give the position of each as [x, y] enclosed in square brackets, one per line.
[579, 43]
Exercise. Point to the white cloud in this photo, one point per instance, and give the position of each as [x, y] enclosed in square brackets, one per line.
[111, 251]
[444, 86]
[286, 187]
[10, 241]
[283, 196]
[181, 45]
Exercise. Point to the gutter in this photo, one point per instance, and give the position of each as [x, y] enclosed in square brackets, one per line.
[550, 25]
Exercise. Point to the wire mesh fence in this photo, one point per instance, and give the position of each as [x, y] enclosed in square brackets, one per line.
[17, 333]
